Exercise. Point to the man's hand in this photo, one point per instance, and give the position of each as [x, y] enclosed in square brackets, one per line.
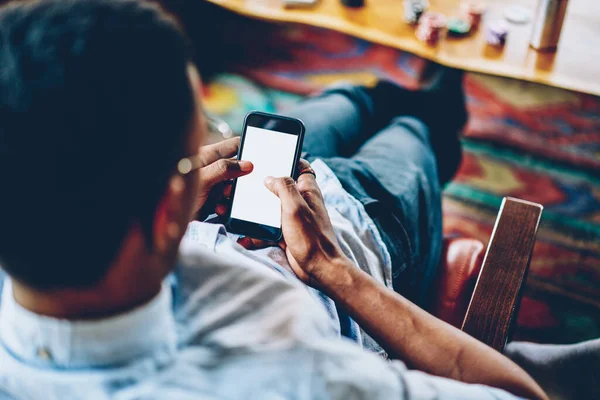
[310, 243]
[219, 168]
[403, 329]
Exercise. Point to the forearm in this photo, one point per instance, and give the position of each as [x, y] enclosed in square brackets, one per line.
[421, 340]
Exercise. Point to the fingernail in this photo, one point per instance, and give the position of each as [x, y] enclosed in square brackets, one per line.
[220, 209]
[268, 180]
[245, 166]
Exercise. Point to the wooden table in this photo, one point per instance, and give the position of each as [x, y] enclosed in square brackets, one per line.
[575, 65]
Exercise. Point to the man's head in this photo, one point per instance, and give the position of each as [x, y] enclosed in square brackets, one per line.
[97, 106]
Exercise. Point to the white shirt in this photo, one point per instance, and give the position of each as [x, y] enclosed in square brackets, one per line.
[228, 324]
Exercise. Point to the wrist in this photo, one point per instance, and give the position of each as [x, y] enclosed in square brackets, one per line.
[337, 275]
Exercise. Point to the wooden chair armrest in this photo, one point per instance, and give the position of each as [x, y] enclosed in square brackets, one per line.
[497, 295]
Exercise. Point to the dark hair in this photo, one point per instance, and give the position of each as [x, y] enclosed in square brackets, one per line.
[95, 106]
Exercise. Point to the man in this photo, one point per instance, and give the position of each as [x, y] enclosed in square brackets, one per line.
[105, 298]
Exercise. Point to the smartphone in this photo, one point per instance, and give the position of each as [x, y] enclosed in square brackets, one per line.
[272, 143]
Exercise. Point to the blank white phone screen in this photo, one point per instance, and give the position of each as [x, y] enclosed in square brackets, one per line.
[272, 154]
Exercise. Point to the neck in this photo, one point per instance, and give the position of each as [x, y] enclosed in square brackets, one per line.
[84, 304]
[134, 278]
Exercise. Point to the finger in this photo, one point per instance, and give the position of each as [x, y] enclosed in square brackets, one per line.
[255, 244]
[307, 182]
[223, 170]
[224, 149]
[282, 244]
[227, 190]
[285, 188]
[221, 210]
[302, 164]
[308, 186]
[307, 179]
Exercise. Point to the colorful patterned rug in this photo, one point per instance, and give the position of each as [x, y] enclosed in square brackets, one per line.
[523, 140]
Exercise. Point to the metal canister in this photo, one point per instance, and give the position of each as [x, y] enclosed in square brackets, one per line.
[547, 24]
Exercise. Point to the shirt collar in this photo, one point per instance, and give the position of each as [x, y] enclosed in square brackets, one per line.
[148, 330]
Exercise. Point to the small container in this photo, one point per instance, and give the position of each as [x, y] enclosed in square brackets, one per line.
[547, 24]
[413, 10]
[432, 27]
[353, 3]
[496, 33]
[474, 10]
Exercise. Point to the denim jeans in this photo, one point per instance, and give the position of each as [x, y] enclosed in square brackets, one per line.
[385, 160]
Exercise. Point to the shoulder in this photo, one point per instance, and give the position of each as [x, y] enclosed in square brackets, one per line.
[320, 368]
[240, 303]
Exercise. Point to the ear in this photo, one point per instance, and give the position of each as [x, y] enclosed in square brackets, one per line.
[170, 217]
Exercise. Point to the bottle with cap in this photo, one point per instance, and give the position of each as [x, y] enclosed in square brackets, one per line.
[547, 24]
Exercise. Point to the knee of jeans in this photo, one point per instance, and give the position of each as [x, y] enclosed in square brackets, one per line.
[356, 94]
[343, 88]
[414, 125]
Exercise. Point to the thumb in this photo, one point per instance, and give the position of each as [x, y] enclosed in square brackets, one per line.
[284, 188]
[225, 169]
